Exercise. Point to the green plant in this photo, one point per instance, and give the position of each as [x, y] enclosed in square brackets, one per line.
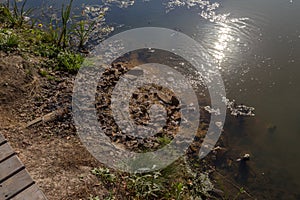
[145, 186]
[200, 185]
[52, 34]
[43, 73]
[8, 40]
[17, 17]
[63, 38]
[68, 61]
[12, 41]
[94, 198]
[104, 173]
[4, 13]
[179, 189]
[164, 140]
[82, 31]
[59, 32]
[174, 182]
[33, 22]
[50, 78]
[241, 191]
[47, 50]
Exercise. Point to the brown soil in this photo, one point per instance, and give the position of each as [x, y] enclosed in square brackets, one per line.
[52, 153]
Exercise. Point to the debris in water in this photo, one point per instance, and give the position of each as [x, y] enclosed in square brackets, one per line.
[244, 158]
[238, 110]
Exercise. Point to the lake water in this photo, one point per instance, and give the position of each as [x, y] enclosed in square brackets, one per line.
[257, 47]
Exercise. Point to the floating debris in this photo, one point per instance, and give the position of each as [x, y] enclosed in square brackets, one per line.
[208, 9]
[244, 158]
[238, 110]
[212, 111]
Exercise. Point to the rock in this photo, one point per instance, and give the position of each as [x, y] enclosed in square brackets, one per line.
[244, 158]
[164, 97]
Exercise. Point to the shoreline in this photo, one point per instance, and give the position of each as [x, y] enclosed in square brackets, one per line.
[56, 154]
[39, 97]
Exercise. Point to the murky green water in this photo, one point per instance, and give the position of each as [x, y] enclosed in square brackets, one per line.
[257, 47]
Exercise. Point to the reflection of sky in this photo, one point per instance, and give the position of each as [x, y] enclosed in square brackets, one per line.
[207, 8]
[225, 33]
[224, 37]
[226, 41]
[220, 40]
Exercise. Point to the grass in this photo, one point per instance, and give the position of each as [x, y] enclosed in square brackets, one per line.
[68, 61]
[82, 30]
[164, 140]
[16, 17]
[93, 198]
[63, 38]
[106, 176]
[43, 73]
[173, 182]
[9, 41]
[51, 42]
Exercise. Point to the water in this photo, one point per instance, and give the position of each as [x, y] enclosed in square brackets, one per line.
[257, 47]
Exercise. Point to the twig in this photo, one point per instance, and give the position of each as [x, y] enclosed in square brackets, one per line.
[48, 117]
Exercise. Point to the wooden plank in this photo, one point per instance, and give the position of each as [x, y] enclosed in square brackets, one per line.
[31, 193]
[10, 166]
[15, 184]
[2, 139]
[5, 151]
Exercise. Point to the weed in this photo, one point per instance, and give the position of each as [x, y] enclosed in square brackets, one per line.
[8, 40]
[164, 140]
[63, 38]
[50, 78]
[68, 61]
[174, 182]
[4, 13]
[82, 31]
[60, 33]
[12, 41]
[94, 198]
[47, 50]
[18, 16]
[200, 185]
[179, 189]
[43, 73]
[106, 176]
[145, 186]
[52, 34]
[241, 191]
